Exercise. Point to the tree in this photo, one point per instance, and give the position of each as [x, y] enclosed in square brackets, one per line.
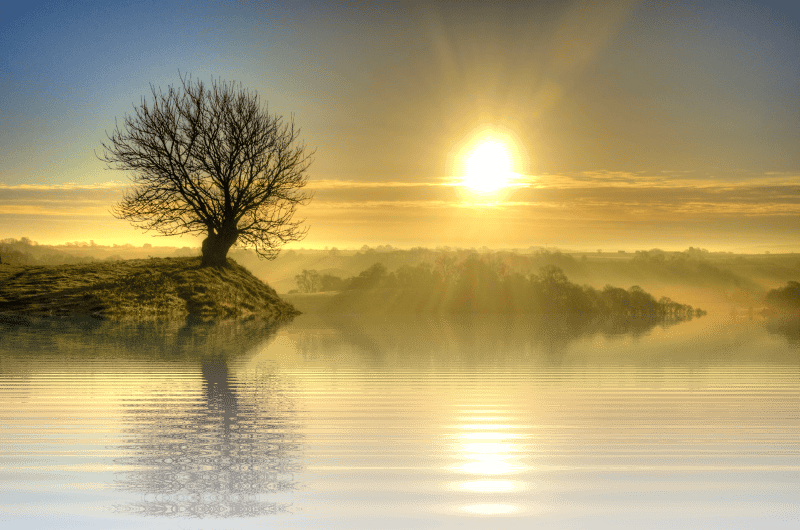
[370, 277]
[308, 281]
[211, 160]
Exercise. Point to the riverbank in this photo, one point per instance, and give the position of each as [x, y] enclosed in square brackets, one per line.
[140, 289]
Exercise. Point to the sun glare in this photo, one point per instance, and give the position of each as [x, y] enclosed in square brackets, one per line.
[488, 167]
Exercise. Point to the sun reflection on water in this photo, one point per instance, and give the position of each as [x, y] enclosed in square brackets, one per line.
[489, 435]
[490, 486]
[490, 457]
[489, 451]
[488, 448]
[491, 509]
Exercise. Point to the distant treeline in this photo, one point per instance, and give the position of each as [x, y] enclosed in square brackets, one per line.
[24, 251]
[483, 284]
[739, 279]
[27, 252]
[742, 279]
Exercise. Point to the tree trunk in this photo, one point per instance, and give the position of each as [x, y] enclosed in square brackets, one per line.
[215, 248]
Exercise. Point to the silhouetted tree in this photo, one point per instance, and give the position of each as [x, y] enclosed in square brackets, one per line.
[369, 278]
[330, 282]
[211, 160]
[309, 281]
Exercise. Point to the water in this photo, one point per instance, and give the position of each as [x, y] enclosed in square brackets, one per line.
[399, 423]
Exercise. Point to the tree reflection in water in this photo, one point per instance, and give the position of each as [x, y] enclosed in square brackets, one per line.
[786, 325]
[222, 452]
[468, 339]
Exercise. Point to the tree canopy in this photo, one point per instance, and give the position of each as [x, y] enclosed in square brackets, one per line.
[211, 160]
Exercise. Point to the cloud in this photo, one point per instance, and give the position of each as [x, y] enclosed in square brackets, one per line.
[338, 205]
[665, 180]
[593, 209]
[592, 195]
[58, 210]
[332, 184]
[68, 186]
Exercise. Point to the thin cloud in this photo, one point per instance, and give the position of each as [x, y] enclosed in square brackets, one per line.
[68, 186]
[61, 210]
[596, 179]
[340, 205]
[352, 184]
[599, 194]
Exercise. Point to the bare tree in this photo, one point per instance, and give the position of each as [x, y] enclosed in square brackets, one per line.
[211, 160]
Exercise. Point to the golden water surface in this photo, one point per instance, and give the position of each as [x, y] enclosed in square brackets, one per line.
[410, 423]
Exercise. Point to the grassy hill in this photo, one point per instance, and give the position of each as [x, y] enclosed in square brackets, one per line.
[139, 289]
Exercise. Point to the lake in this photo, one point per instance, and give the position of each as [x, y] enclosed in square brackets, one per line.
[407, 422]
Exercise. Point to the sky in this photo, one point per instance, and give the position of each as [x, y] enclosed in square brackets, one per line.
[629, 125]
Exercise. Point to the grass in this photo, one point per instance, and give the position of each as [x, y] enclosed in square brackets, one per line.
[139, 289]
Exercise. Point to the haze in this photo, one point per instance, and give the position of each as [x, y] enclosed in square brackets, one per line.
[628, 125]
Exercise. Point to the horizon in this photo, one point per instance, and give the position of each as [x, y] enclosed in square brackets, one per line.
[391, 248]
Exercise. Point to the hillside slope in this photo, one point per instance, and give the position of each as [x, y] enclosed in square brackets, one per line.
[151, 288]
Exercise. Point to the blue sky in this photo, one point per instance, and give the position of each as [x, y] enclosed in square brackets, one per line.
[606, 98]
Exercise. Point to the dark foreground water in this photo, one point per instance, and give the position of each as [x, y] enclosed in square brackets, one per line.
[411, 423]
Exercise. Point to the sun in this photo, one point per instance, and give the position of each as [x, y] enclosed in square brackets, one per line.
[488, 167]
